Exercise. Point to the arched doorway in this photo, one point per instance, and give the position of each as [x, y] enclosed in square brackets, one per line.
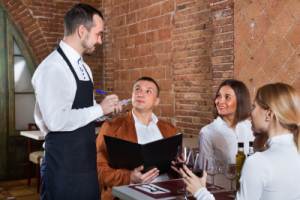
[16, 98]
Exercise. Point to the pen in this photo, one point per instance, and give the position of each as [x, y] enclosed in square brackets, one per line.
[128, 100]
[101, 92]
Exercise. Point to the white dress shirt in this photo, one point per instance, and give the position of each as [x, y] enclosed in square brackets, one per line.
[270, 175]
[220, 140]
[273, 174]
[150, 133]
[55, 88]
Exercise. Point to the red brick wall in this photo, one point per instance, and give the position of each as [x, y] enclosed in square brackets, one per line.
[266, 45]
[186, 45]
[42, 25]
[169, 40]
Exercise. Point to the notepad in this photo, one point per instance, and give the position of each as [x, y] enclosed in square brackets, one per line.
[130, 155]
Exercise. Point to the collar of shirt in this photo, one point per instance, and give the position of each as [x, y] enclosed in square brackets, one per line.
[285, 139]
[71, 53]
[219, 122]
[153, 117]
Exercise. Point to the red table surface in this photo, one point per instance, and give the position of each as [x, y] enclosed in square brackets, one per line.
[175, 185]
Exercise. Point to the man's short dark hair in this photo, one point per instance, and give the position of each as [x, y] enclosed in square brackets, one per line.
[145, 78]
[80, 14]
[242, 97]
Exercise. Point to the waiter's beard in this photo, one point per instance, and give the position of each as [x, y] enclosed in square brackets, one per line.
[87, 51]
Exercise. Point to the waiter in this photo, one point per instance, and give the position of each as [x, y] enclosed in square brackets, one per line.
[65, 109]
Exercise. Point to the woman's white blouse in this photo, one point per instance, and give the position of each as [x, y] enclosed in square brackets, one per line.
[270, 175]
[220, 140]
[273, 174]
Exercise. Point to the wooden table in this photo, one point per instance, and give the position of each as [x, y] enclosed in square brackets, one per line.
[38, 135]
[131, 192]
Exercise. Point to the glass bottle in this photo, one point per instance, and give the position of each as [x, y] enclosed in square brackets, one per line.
[251, 150]
[240, 159]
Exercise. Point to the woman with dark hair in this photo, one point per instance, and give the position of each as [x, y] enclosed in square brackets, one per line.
[232, 108]
[273, 174]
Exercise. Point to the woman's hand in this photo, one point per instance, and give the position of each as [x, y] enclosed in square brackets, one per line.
[193, 183]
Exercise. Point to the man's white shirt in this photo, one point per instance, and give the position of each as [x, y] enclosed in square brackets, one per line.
[55, 88]
[150, 133]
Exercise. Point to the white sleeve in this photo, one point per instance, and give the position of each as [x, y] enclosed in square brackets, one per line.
[205, 142]
[53, 95]
[255, 178]
[203, 194]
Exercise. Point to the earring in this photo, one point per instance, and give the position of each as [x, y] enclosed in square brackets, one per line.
[267, 119]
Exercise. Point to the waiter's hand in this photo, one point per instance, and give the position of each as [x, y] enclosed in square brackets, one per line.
[138, 177]
[118, 107]
[109, 104]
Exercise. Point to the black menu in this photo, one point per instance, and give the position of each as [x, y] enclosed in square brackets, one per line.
[130, 155]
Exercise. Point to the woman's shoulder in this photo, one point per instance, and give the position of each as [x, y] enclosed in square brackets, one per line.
[209, 127]
[247, 122]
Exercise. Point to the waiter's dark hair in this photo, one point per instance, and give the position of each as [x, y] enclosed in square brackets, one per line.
[80, 14]
[145, 78]
[241, 91]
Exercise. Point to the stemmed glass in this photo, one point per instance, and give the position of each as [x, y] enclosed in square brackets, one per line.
[182, 153]
[189, 162]
[212, 169]
[199, 164]
[231, 174]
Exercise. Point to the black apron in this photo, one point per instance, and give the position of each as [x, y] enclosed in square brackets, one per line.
[71, 165]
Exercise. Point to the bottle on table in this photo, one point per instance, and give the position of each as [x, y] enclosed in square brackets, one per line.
[251, 150]
[240, 159]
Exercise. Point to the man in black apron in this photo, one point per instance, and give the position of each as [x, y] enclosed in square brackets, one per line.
[70, 153]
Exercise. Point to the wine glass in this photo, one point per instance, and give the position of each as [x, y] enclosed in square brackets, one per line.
[199, 164]
[189, 162]
[231, 174]
[182, 153]
[212, 169]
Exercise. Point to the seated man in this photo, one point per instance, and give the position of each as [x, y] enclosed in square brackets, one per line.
[139, 126]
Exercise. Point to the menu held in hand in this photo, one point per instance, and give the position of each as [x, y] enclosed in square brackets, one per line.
[130, 155]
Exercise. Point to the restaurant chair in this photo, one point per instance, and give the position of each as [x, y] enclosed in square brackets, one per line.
[34, 156]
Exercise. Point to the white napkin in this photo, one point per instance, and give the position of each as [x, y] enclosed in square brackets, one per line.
[149, 191]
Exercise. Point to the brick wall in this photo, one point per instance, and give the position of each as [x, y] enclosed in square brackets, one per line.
[42, 25]
[266, 45]
[186, 45]
[192, 77]
[169, 40]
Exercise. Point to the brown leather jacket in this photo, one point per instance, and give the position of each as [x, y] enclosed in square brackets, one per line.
[122, 127]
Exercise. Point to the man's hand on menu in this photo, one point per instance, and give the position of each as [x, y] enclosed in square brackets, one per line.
[138, 177]
[193, 183]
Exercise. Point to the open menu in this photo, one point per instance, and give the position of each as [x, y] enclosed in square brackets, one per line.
[130, 155]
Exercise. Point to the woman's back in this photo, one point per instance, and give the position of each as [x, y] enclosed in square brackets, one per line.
[273, 174]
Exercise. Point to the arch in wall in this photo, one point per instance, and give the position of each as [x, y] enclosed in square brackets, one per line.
[28, 27]
[17, 65]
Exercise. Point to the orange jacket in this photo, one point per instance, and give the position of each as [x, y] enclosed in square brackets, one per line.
[122, 127]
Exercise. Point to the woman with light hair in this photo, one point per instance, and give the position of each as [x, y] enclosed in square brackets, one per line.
[275, 173]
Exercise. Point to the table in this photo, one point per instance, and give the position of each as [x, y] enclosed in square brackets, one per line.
[38, 135]
[131, 192]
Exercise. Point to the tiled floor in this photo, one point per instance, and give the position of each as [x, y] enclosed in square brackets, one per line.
[19, 190]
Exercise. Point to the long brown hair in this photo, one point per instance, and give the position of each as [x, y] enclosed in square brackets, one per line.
[284, 101]
[242, 97]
